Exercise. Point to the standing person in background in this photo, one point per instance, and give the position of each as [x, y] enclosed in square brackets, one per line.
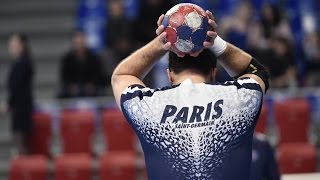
[264, 164]
[150, 11]
[118, 36]
[20, 101]
[119, 31]
[81, 70]
[311, 46]
[279, 59]
[271, 24]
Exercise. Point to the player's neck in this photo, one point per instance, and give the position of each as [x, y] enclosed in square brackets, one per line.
[194, 77]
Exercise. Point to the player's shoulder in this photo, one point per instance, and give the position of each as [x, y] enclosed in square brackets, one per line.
[243, 83]
[140, 91]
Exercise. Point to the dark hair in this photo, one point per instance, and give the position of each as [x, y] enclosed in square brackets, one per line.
[24, 40]
[204, 63]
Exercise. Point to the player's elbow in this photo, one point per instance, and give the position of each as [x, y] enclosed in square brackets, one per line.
[114, 79]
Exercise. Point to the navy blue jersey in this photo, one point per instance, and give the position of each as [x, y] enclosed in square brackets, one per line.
[264, 164]
[195, 130]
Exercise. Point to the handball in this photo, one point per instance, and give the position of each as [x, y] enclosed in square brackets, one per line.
[186, 26]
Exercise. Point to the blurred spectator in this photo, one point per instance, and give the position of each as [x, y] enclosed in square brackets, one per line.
[264, 164]
[272, 24]
[20, 102]
[280, 61]
[81, 70]
[118, 31]
[284, 73]
[235, 27]
[311, 46]
[118, 36]
[146, 24]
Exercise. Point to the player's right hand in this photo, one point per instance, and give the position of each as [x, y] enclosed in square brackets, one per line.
[161, 32]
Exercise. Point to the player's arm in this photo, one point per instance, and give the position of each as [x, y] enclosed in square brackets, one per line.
[240, 64]
[235, 61]
[135, 67]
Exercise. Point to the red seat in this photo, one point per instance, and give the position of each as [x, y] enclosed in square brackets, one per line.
[41, 134]
[262, 121]
[118, 166]
[297, 158]
[29, 168]
[117, 131]
[292, 118]
[73, 167]
[76, 129]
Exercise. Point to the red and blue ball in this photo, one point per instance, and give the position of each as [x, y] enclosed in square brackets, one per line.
[186, 25]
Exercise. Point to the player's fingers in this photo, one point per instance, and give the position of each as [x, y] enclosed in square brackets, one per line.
[207, 44]
[159, 22]
[213, 24]
[163, 37]
[210, 15]
[212, 34]
[160, 29]
[167, 46]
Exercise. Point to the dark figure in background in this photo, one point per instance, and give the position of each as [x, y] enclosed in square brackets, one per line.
[118, 36]
[264, 164]
[118, 31]
[311, 46]
[81, 70]
[150, 11]
[272, 24]
[280, 61]
[20, 100]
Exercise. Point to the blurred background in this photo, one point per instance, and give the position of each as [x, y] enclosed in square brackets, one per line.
[58, 56]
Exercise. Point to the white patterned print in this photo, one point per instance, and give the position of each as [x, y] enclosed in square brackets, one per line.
[194, 150]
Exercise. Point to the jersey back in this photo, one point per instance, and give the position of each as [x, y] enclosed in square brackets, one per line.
[195, 130]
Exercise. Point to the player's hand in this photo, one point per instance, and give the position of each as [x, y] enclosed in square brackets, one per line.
[212, 34]
[163, 35]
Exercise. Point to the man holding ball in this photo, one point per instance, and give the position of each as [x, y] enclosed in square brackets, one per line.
[194, 129]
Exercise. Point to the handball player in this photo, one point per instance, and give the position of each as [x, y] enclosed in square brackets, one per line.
[193, 129]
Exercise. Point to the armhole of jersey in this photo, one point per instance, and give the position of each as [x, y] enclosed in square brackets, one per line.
[247, 83]
[135, 90]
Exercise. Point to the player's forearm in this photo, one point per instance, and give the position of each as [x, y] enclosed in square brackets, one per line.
[234, 60]
[140, 62]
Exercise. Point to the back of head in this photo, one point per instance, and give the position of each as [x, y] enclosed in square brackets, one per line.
[203, 64]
